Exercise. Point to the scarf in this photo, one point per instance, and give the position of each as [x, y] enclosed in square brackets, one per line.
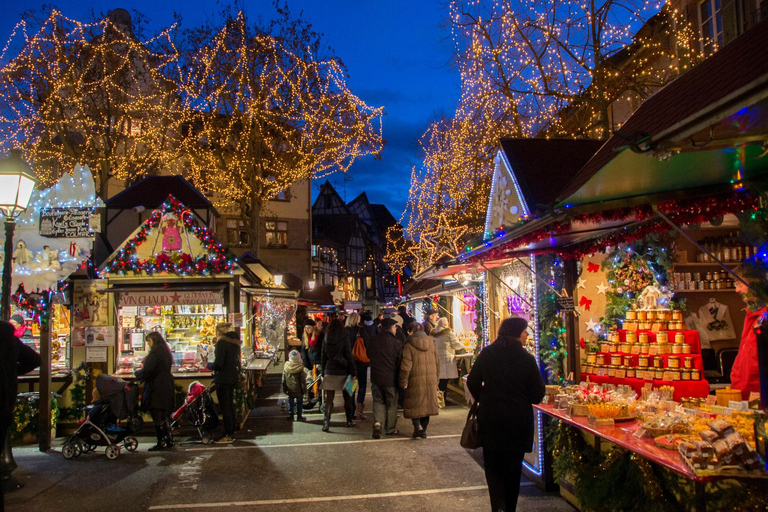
[20, 331]
[312, 340]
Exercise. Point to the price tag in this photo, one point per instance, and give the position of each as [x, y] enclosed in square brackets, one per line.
[711, 400]
[668, 376]
[128, 322]
[648, 375]
[639, 433]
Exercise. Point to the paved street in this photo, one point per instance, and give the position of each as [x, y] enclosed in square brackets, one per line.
[275, 465]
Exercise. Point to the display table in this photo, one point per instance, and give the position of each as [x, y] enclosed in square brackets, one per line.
[621, 434]
[683, 388]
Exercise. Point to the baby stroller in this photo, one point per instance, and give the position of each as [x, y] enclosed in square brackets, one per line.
[199, 410]
[119, 401]
[314, 394]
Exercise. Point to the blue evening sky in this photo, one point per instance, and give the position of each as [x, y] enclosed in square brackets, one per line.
[397, 53]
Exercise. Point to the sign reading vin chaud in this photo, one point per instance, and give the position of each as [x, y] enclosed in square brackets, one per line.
[66, 222]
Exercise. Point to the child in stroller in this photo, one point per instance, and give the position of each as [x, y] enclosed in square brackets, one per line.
[117, 400]
[199, 410]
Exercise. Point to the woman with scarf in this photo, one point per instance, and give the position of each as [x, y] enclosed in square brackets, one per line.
[338, 364]
[506, 381]
[295, 385]
[311, 344]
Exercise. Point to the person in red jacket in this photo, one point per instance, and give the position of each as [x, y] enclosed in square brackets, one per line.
[745, 374]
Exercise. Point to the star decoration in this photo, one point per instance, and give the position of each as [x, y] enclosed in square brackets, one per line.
[338, 296]
[444, 240]
[582, 284]
[602, 287]
[591, 325]
[175, 297]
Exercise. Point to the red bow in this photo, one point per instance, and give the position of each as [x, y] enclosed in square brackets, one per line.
[585, 302]
[593, 267]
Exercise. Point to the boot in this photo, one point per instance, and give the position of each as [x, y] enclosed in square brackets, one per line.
[328, 400]
[349, 410]
[359, 411]
[326, 426]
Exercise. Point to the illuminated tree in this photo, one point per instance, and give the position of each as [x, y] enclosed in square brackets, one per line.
[267, 111]
[89, 93]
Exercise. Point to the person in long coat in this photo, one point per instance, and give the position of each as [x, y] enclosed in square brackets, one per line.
[226, 368]
[354, 329]
[338, 364]
[506, 381]
[419, 372]
[447, 344]
[158, 396]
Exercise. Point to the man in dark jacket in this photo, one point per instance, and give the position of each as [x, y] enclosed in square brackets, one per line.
[15, 359]
[226, 367]
[430, 322]
[385, 352]
[407, 319]
[506, 380]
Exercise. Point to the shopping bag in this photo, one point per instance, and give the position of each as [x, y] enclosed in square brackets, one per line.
[440, 399]
[351, 385]
[470, 436]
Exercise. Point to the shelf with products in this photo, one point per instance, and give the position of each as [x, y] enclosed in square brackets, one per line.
[61, 352]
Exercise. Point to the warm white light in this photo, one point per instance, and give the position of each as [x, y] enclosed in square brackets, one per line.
[17, 180]
[278, 279]
[311, 284]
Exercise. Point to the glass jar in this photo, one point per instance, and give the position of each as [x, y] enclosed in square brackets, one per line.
[643, 360]
[695, 374]
[688, 363]
[652, 315]
[629, 361]
[662, 337]
[677, 315]
[615, 359]
[679, 337]
[658, 374]
[631, 337]
[631, 314]
[624, 348]
[677, 348]
[611, 371]
[673, 362]
[685, 375]
[591, 358]
[658, 362]
[686, 348]
[605, 347]
[630, 373]
[642, 337]
[634, 348]
[676, 375]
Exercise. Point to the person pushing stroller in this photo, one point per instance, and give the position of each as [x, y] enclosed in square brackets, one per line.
[295, 385]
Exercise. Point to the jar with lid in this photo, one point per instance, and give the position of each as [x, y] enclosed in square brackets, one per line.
[663, 348]
[677, 348]
[605, 346]
[624, 348]
[642, 315]
[673, 362]
[615, 359]
[662, 337]
[591, 358]
[645, 348]
[679, 337]
[629, 361]
[630, 372]
[631, 314]
[685, 375]
[611, 371]
[675, 374]
[658, 374]
[677, 315]
[658, 362]
[688, 363]
[695, 374]
[686, 348]
[643, 361]
[634, 348]
[631, 337]
[651, 315]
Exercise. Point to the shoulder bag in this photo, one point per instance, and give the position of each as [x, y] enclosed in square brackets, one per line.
[470, 436]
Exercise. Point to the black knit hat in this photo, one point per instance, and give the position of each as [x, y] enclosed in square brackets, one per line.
[513, 327]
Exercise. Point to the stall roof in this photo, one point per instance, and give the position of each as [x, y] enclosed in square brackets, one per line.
[686, 135]
[152, 191]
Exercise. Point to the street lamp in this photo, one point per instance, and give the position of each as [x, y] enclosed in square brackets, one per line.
[311, 284]
[278, 280]
[17, 179]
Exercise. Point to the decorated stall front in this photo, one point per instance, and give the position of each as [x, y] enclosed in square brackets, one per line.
[172, 277]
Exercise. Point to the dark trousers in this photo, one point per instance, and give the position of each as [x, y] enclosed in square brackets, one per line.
[226, 396]
[362, 382]
[4, 426]
[420, 422]
[349, 405]
[161, 419]
[442, 385]
[385, 407]
[503, 470]
[295, 405]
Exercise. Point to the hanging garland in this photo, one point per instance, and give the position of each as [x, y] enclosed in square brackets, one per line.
[682, 212]
[218, 260]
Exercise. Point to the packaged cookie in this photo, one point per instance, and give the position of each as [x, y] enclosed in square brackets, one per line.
[723, 428]
[709, 436]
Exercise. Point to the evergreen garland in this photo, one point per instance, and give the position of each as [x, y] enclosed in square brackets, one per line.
[619, 480]
[754, 231]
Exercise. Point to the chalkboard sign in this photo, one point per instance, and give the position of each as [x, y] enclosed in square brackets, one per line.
[65, 223]
[565, 304]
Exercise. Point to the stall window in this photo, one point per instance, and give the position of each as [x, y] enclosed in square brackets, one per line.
[237, 235]
[277, 233]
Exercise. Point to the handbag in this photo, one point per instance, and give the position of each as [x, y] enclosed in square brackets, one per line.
[358, 351]
[440, 399]
[350, 386]
[470, 436]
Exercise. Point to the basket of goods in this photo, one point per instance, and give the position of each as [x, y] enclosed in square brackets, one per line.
[721, 450]
[665, 424]
[603, 413]
[583, 397]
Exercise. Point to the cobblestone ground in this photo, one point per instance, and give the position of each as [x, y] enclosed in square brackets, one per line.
[275, 465]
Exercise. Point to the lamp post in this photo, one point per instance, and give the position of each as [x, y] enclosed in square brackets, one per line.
[17, 179]
[278, 280]
[311, 284]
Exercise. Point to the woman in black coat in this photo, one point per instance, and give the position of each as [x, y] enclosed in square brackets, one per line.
[338, 364]
[506, 381]
[158, 395]
[226, 367]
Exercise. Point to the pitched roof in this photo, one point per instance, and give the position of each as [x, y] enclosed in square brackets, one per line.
[680, 103]
[337, 207]
[542, 166]
[153, 191]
